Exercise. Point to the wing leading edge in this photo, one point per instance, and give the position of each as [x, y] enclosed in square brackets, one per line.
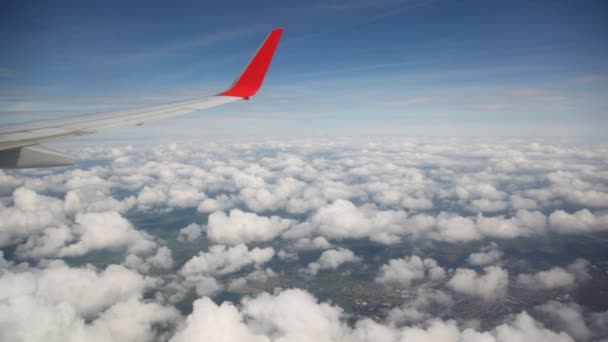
[20, 145]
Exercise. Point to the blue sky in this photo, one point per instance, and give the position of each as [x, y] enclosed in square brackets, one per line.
[385, 67]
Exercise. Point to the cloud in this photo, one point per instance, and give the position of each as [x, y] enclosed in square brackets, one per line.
[519, 202]
[43, 226]
[296, 196]
[172, 47]
[487, 255]
[223, 260]
[523, 223]
[403, 272]
[79, 287]
[456, 229]
[311, 244]
[6, 72]
[162, 259]
[210, 322]
[258, 276]
[525, 328]
[331, 260]
[59, 303]
[592, 78]
[342, 219]
[599, 322]
[150, 197]
[93, 200]
[271, 317]
[184, 196]
[190, 233]
[408, 101]
[382, 192]
[418, 308]
[282, 194]
[32, 318]
[30, 214]
[241, 227]
[569, 316]
[490, 286]
[287, 256]
[571, 187]
[220, 203]
[108, 230]
[135, 320]
[556, 277]
[200, 271]
[582, 221]
[485, 205]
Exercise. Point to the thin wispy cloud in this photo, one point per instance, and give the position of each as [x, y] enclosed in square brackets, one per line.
[407, 101]
[537, 94]
[521, 99]
[203, 41]
[592, 78]
[364, 4]
[6, 72]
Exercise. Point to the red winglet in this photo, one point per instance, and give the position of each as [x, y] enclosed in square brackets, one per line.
[252, 77]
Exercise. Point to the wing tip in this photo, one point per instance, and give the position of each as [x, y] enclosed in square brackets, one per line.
[251, 79]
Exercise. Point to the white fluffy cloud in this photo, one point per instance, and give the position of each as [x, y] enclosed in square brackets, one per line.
[30, 214]
[59, 303]
[108, 230]
[569, 316]
[162, 259]
[453, 228]
[311, 244]
[523, 223]
[403, 272]
[86, 290]
[200, 271]
[416, 308]
[331, 260]
[556, 277]
[43, 226]
[190, 232]
[222, 260]
[487, 255]
[93, 200]
[220, 203]
[389, 192]
[210, 322]
[269, 318]
[582, 221]
[490, 285]
[342, 219]
[34, 319]
[384, 192]
[525, 328]
[241, 227]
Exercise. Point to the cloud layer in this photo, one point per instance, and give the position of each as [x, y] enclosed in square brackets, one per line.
[145, 243]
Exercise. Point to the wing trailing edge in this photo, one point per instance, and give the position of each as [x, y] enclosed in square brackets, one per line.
[32, 157]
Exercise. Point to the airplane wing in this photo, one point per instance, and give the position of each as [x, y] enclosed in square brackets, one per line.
[21, 145]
